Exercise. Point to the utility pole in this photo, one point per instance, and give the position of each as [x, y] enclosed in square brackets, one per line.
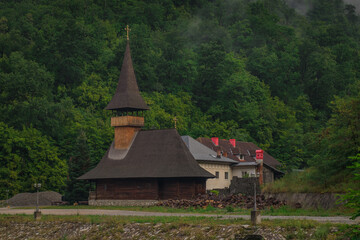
[7, 198]
[255, 214]
[254, 196]
[37, 213]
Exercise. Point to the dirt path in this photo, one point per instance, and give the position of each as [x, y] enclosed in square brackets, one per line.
[338, 219]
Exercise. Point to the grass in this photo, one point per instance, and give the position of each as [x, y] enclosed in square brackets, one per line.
[303, 182]
[282, 211]
[288, 211]
[97, 219]
[207, 210]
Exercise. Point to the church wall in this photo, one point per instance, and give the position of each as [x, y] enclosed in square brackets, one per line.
[243, 171]
[181, 188]
[149, 189]
[127, 189]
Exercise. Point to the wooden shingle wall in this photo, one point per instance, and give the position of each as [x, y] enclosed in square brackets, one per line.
[149, 189]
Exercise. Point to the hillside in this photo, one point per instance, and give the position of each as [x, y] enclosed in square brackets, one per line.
[256, 71]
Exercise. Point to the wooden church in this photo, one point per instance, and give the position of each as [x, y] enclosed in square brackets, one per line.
[142, 164]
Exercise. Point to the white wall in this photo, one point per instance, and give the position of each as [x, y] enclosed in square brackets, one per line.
[221, 182]
[237, 171]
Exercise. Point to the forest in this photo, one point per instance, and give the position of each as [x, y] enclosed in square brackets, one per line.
[257, 71]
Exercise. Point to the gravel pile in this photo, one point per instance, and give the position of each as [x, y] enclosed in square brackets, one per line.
[29, 199]
[16, 228]
[142, 231]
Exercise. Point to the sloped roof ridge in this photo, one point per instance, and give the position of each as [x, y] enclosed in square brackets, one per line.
[244, 146]
[154, 154]
[127, 96]
[202, 152]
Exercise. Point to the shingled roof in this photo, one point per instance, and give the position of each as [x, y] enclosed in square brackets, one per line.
[152, 154]
[203, 153]
[251, 148]
[247, 149]
[127, 96]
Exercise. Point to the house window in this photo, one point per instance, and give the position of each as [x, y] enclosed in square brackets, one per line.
[217, 174]
[245, 174]
[105, 187]
[226, 175]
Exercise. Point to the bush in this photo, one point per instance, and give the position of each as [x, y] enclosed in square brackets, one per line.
[352, 197]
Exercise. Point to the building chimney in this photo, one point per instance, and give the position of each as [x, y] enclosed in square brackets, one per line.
[259, 154]
[233, 142]
[218, 153]
[259, 159]
[215, 140]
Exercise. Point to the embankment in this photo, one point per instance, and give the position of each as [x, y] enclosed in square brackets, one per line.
[307, 200]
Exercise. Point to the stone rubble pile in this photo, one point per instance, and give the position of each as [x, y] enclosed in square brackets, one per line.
[114, 230]
[29, 199]
[236, 200]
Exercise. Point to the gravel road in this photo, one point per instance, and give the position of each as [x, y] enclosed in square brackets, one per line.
[337, 219]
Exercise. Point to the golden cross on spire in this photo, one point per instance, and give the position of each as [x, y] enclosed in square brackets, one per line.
[127, 32]
[175, 120]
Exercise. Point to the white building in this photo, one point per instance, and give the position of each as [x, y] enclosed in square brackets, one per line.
[222, 167]
[230, 158]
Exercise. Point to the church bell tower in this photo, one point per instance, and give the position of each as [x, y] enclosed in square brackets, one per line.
[127, 103]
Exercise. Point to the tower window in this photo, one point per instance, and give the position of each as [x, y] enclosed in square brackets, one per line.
[226, 175]
[217, 174]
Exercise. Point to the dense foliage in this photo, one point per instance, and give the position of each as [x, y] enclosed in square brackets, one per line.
[352, 196]
[251, 70]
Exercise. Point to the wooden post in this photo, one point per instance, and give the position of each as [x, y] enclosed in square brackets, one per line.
[37, 213]
[261, 173]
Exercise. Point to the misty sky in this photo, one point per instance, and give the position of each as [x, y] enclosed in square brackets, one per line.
[356, 3]
[303, 6]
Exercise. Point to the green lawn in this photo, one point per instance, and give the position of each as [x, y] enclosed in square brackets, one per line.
[156, 219]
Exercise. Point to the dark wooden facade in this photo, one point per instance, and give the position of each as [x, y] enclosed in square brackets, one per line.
[149, 189]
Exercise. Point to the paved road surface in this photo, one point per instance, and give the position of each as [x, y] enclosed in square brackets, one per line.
[337, 219]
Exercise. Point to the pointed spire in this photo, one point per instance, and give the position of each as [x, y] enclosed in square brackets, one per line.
[127, 96]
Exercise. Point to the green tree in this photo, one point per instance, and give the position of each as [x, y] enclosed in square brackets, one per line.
[27, 99]
[79, 164]
[27, 157]
[213, 69]
[352, 197]
[339, 139]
